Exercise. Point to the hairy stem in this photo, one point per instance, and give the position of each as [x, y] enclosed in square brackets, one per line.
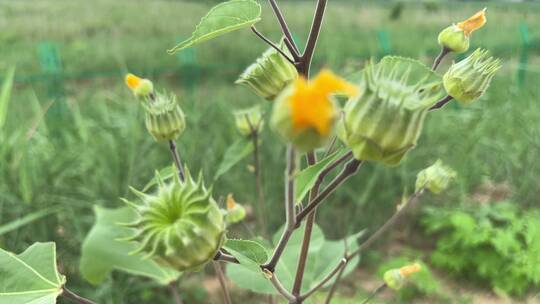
[258, 177]
[349, 170]
[68, 294]
[307, 56]
[284, 27]
[441, 103]
[177, 159]
[175, 294]
[273, 45]
[444, 51]
[222, 282]
[302, 260]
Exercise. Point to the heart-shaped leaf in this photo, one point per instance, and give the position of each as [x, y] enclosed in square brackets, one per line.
[102, 252]
[249, 253]
[221, 19]
[30, 277]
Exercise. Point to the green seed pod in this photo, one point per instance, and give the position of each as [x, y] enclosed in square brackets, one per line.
[305, 139]
[435, 178]
[468, 80]
[164, 117]
[180, 226]
[454, 39]
[394, 279]
[270, 74]
[386, 119]
[248, 120]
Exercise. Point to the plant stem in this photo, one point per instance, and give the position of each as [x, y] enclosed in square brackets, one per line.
[281, 289]
[328, 277]
[444, 51]
[221, 256]
[273, 45]
[307, 56]
[222, 281]
[441, 103]
[334, 286]
[284, 27]
[350, 169]
[374, 293]
[175, 294]
[289, 187]
[258, 178]
[68, 294]
[177, 159]
[302, 260]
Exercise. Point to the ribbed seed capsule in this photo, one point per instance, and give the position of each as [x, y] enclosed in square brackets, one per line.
[270, 74]
[249, 120]
[435, 178]
[468, 80]
[385, 120]
[164, 117]
[180, 226]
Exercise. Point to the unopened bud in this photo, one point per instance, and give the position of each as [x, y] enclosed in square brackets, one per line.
[164, 117]
[235, 212]
[435, 178]
[249, 120]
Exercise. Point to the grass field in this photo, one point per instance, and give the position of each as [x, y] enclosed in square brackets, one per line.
[67, 154]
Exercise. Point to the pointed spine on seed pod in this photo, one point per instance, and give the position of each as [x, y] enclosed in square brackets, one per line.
[164, 118]
[384, 122]
[179, 226]
[270, 73]
[468, 80]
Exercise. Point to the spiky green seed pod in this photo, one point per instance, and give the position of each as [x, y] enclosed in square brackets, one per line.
[164, 117]
[435, 178]
[270, 74]
[385, 120]
[454, 39]
[180, 226]
[249, 120]
[468, 80]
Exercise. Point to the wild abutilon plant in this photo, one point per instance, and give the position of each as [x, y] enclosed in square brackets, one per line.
[182, 228]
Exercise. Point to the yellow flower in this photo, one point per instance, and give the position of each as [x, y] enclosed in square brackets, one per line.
[475, 22]
[140, 87]
[311, 105]
[406, 271]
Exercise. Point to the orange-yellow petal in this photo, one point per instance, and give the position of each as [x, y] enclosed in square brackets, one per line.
[311, 105]
[132, 81]
[231, 203]
[475, 22]
[406, 271]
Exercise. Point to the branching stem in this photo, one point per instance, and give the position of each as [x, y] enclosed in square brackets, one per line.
[441, 103]
[68, 294]
[444, 51]
[273, 45]
[177, 160]
[284, 27]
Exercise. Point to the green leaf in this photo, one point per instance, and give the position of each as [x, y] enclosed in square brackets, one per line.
[102, 252]
[30, 277]
[5, 96]
[20, 222]
[323, 256]
[223, 18]
[249, 253]
[306, 178]
[165, 174]
[235, 153]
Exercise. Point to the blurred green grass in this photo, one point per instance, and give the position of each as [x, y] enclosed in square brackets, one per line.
[90, 152]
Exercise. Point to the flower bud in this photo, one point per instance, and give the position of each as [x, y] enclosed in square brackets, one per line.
[180, 226]
[456, 37]
[385, 121]
[304, 113]
[395, 278]
[270, 74]
[248, 120]
[164, 117]
[235, 212]
[467, 80]
[139, 86]
[435, 178]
